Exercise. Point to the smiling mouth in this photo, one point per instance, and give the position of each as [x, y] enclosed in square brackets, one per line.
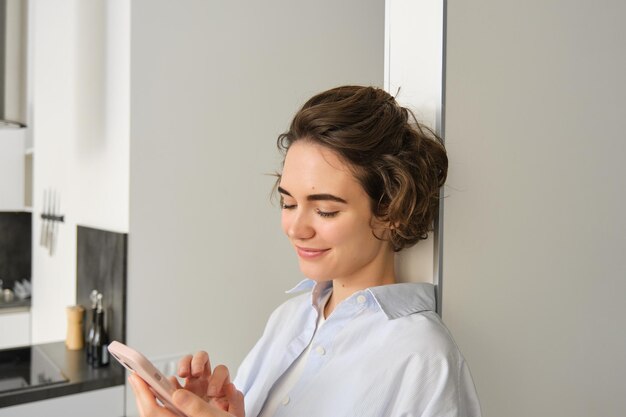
[310, 253]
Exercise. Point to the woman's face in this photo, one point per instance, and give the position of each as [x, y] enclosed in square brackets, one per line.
[328, 218]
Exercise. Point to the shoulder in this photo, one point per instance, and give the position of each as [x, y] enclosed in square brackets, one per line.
[291, 310]
[429, 331]
[410, 318]
[433, 369]
[292, 305]
[283, 324]
[425, 336]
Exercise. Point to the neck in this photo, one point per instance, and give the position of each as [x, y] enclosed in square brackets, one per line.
[344, 288]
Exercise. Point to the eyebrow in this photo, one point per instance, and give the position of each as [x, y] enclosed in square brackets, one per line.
[316, 197]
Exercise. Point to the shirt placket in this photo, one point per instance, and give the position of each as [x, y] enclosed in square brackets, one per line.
[320, 355]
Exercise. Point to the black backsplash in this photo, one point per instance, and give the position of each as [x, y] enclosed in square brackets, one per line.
[101, 265]
[15, 247]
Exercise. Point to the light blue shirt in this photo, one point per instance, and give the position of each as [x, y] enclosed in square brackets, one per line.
[382, 352]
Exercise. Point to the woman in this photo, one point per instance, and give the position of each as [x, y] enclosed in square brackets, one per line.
[359, 183]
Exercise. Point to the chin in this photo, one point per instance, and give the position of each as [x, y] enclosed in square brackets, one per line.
[314, 273]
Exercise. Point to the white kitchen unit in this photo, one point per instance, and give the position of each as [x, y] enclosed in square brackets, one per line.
[12, 169]
[14, 328]
[108, 402]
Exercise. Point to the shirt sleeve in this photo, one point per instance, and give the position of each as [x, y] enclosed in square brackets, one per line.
[437, 386]
[249, 367]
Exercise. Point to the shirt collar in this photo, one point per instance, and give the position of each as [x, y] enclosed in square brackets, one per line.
[395, 300]
[318, 289]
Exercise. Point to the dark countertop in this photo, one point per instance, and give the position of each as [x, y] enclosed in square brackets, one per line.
[14, 306]
[80, 376]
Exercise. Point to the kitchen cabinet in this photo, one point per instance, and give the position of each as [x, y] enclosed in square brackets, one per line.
[13, 162]
[108, 402]
[14, 327]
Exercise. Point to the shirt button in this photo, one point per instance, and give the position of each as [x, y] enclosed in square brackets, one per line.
[285, 401]
[320, 350]
[361, 299]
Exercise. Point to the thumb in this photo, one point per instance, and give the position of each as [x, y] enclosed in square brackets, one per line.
[194, 406]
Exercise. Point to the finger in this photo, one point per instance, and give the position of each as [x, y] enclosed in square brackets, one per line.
[184, 366]
[146, 402]
[235, 401]
[200, 364]
[174, 381]
[192, 405]
[138, 391]
[220, 377]
[219, 402]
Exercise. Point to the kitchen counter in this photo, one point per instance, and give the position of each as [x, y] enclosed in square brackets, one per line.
[77, 376]
[14, 306]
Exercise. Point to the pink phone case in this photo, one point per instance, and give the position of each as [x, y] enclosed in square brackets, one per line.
[135, 362]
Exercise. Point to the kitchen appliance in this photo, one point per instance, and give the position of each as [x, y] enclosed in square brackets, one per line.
[27, 367]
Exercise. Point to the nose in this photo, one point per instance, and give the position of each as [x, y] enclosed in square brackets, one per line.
[297, 225]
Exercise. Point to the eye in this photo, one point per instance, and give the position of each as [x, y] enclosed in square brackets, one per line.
[284, 205]
[327, 213]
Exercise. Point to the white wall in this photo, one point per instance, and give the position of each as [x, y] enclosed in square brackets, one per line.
[212, 85]
[80, 124]
[414, 74]
[414, 56]
[535, 231]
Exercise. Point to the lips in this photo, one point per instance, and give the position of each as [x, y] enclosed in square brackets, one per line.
[310, 253]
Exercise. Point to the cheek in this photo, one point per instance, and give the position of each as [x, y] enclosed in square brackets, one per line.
[356, 233]
[339, 232]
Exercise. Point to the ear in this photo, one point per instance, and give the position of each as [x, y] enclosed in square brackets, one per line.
[379, 224]
[381, 228]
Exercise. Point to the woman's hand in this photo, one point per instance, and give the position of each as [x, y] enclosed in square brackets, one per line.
[205, 393]
[186, 401]
[201, 381]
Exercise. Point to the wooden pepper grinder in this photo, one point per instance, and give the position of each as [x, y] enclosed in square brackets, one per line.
[75, 339]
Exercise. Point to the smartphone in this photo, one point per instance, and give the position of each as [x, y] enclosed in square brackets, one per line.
[135, 362]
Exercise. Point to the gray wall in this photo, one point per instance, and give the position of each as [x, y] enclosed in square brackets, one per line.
[535, 233]
[212, 85]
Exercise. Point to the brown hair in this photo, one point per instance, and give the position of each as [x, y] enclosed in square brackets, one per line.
[400, 163]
